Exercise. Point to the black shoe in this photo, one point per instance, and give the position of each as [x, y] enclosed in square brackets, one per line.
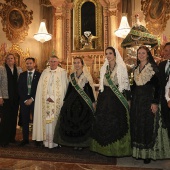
[147, 161]
[24, 142]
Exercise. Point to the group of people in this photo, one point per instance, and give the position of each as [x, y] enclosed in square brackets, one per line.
[122, 121]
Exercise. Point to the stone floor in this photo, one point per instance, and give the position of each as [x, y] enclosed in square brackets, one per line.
[127, 163]
[131, 162]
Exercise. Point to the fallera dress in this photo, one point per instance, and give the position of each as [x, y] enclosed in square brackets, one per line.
[148, 135]
[111, 128]
[75, 121]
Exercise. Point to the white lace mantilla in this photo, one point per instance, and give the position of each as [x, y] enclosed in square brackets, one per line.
[141, 78]
[122, 75]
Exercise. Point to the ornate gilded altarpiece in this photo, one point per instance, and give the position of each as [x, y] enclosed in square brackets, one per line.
[69, 31]
[15, 20]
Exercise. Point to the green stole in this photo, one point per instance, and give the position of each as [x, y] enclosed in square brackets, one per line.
[117, 92]
[81, 92]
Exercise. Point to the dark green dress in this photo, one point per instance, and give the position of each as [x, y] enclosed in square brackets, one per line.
[111, 129]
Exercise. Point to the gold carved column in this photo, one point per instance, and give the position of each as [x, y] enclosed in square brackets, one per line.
[110, 22]
[113, 23]
[59, 36]
[62, 29]
[105, 27]
[68, 37]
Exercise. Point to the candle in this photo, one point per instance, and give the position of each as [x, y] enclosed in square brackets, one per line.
[94, 63]
[72, 60]
[67, 65]
[99, 63]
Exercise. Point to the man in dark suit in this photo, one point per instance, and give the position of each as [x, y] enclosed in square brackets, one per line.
[164, 72]
[27, 85]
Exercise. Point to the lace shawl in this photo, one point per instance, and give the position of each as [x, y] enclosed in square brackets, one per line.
[141, 78]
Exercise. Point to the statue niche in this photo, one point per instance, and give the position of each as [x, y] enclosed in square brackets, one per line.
[87, 25]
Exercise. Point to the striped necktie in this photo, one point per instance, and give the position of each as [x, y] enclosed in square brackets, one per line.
[168, 69]
[29, 81]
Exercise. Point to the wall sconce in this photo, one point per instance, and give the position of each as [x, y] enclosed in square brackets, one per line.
[124, 27]
[42, 34]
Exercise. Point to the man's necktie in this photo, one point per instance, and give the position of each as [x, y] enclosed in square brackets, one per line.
[29, 81]
[168, 69]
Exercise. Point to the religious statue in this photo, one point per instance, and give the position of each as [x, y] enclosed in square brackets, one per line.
[87, 40]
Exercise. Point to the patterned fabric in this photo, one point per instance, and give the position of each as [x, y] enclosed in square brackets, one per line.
[143, 77]
[139, 35]
[43, 129]
[111, 131]
[4, 82]
[168, 69]
[56, 91]
[121, 70]
[149, 137]
[75, 120]
[29, 81]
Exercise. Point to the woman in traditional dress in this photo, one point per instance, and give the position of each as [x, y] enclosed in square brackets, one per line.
[111, 130]
[149, 138]
[77, 114]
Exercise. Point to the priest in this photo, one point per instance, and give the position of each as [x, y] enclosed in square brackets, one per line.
[50, 93]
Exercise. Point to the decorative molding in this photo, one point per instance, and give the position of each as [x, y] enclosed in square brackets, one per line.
[46, 3]
[113, 13]
[106, 32]
[156, 14]
[58, 16]
[15, 20]
[19, 54]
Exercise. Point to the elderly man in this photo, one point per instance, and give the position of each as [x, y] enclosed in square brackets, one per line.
[50, 93]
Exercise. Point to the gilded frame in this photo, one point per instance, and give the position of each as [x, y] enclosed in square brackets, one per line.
[77, 24]
[15, 20]
[19, 54]
[156, 14]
